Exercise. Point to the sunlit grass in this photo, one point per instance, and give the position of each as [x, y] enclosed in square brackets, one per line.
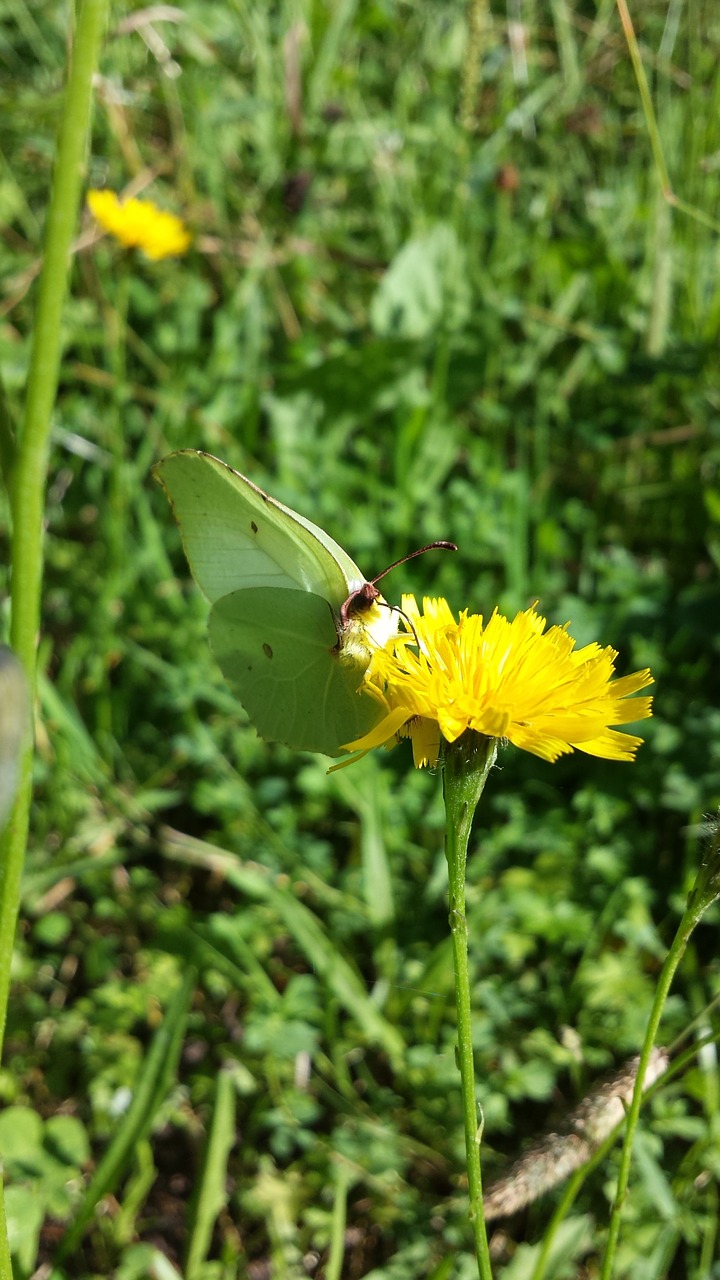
[407, 329]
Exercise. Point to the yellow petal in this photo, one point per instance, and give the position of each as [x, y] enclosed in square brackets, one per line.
[507, 678]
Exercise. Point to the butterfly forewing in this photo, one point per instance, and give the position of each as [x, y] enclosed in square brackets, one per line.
[236, 536]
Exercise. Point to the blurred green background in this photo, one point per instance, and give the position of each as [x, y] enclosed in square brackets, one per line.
[434, 292]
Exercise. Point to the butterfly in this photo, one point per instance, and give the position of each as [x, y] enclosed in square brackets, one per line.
[292, 619]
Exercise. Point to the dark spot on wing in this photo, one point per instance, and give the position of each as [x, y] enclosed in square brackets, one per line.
[253, 526]
[267, 651]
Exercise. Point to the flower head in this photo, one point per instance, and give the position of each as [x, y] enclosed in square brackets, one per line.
[509, 679]
[139, 224]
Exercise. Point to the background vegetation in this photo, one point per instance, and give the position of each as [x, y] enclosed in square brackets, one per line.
[417, 307]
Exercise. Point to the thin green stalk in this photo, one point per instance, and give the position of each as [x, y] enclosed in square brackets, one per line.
[5, 1260]
[336, 1256]
[466, 767]
[563, 1208]
[707, 1251]
[704, 893]
[567, 1200]
[645, 98]
[652, 126]
[477, 25]
[30, 467]
[210, 1196]
[25, 464]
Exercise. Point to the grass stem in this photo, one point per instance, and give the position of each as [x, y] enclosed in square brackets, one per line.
[704, 893]
[31, 462]
[29, 465]
[674, 201]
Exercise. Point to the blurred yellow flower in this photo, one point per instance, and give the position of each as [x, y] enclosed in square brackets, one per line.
[139, 224]
[504, 679]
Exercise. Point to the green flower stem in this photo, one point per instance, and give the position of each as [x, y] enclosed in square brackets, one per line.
[467, 764]
[704, 893]
[25, 464]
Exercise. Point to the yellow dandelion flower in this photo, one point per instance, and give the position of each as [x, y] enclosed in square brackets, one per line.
[139, 224]
[504, 679]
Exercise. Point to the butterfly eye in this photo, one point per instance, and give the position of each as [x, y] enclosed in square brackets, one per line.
[359, 601]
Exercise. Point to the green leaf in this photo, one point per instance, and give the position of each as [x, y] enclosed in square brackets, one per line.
[24, 1213]
[66, 1137]
[21, 1135]
[141, 1261]
[424, 287]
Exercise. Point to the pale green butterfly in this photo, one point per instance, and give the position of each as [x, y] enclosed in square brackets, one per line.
[293, 619]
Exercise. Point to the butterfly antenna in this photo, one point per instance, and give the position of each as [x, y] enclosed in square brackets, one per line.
[367, 594]
[431, 546]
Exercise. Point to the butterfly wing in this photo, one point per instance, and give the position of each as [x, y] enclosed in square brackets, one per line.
[236, 536]
[277, 648]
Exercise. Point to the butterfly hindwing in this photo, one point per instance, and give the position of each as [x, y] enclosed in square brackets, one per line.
[277, 648]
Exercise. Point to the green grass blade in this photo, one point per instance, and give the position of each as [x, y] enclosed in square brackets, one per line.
[5, 1259]
[362, 790]
[677, 202]
[566, 48]
[305, 928]
[329, 52]
[333, 1270]
[157, 1072]
[211, 1194]
[219, 945]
